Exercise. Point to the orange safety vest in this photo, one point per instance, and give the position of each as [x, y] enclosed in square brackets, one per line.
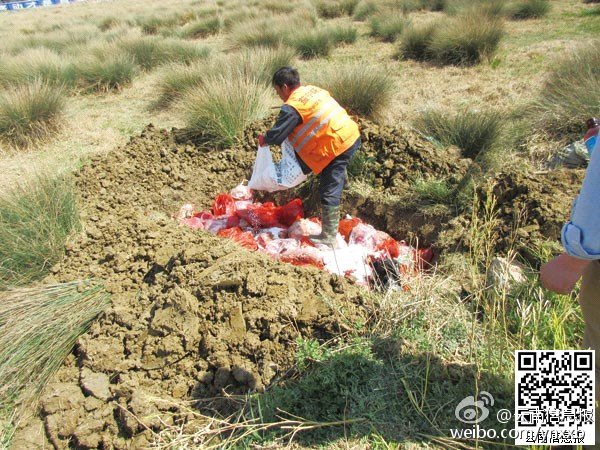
[326, 130]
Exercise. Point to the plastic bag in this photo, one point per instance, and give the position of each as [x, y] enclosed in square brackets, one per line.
[304, 227]
[289, 213]
[390, 247]
[363, 234]
[270, 176]
[241, 192]
[224, 204]
[304, 256]
[244, 238]
[347, 225]
[260, 215]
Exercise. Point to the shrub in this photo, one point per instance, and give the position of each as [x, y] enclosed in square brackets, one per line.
[223, 106]
[312, 43]
[149, 52]
[365, 9]
[30, 113]
[416, 41]
[529, 9]
[201, 28]
[34, 64]
[343, 34]
[105, 73]
[466, 40]
[472, 131]
[387, 27]
[365, 91]
[35, 220]
[571, 93]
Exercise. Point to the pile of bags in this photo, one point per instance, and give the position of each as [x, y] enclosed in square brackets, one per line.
[371, 256]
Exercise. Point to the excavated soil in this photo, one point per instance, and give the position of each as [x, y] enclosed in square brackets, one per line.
[194, 315]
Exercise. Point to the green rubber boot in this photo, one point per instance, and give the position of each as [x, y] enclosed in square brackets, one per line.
[330, 216]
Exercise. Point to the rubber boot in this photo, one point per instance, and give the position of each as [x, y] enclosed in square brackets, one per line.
[330, 216]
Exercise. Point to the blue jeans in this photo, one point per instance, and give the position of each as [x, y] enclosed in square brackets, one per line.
[333, 177]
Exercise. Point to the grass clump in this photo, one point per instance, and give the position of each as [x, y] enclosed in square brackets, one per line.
[571, 93]
[330, 9]
[489, 8]
[343, 34]
[105, 73]
[312, 43]
[365, 9]
[108, 23]
[37, 64]
[149, 52]
[387, 27]
[415, 42]
[201, 28]
[433, 190]
[30, 113]
[365, 91]
[224, 105]
[55, 317]
[465, 40]
[529, 9]
[35, 220]
[258, 33]
[473, 132]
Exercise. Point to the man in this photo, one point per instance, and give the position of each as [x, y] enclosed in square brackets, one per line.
[581, 240]
[324, 137]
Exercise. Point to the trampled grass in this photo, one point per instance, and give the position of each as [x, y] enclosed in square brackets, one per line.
[56, 315]
[224, 105]
[36, 218]
[30, 113]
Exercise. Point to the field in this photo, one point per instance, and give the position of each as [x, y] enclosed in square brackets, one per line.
[144, 334]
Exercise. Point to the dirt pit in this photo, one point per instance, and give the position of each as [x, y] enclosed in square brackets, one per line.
[194, 315]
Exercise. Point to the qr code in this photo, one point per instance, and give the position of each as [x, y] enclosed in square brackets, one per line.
[554, 397]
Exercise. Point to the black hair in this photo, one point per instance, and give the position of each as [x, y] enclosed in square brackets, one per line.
[286, 76]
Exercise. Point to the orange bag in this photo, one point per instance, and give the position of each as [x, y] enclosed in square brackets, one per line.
[244, 238]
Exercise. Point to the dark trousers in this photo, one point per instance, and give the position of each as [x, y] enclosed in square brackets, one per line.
[332, 179]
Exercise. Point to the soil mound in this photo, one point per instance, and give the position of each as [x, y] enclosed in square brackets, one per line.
[194, 315]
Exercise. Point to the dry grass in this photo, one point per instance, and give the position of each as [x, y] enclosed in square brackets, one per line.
[39, 328]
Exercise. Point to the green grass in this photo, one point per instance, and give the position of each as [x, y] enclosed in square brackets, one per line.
[387, 27]
[473, 132]
[415, 41]
[151, 51]
[529, 9]
[56, 315]
[201, 28]
[592, 12]
[312, 43]
[37, 64]
[30, 113]
[466, 40]
[258, 33]
[111, 71]
[365, 9]
[433, 190]
[330, 9]
[224, 105]
[490, 8]
[365, 91]
[343, 34]
[36, 218]
[108, 23]
[571, 94]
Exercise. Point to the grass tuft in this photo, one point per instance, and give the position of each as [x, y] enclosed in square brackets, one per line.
[149, 52]
[312, 43]
[56, 315]
[365, 9]
[35, 220]
[365, 91]
[37, 64]
[433, 190]
[387, 27]
[105, 73]
[473, 132]
[30, 113]
[330, 9]
[201, 28]
[415, 41]
[343, 34]
[529, 9]
[224, 105]
[571, 93]
[466, 40]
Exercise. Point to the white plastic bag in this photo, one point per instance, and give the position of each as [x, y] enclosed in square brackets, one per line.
[269, 176]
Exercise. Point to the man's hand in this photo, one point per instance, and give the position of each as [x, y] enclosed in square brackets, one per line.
[261, 140]
[562, 273]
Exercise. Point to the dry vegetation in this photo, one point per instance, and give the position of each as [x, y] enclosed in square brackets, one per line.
[81, 79]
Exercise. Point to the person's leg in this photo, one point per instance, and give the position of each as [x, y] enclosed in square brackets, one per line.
[332, 180]
[589, 299]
